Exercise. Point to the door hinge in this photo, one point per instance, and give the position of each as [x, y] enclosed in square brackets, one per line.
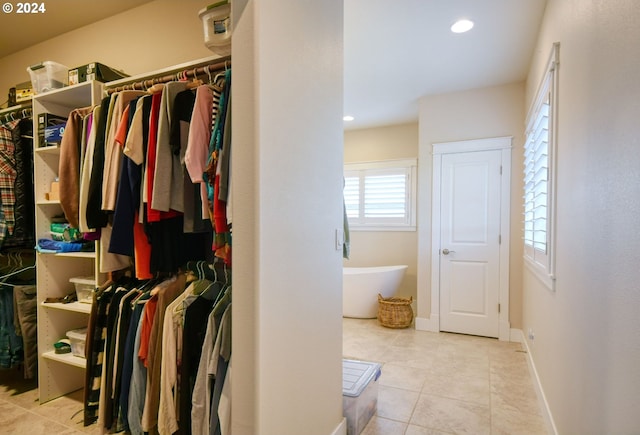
[499, 239]
[498, 308]
[500, 169]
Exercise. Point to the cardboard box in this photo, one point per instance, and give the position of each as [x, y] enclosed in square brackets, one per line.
[53, 134]
[54, 193]
[48, 120]
[20, 93]
[94, 71]
[24, 92]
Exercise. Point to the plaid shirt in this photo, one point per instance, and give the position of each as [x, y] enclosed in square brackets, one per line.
[7, 179]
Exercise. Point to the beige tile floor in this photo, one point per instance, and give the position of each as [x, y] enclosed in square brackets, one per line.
[430, 384]
[440, 383]
[21, 413]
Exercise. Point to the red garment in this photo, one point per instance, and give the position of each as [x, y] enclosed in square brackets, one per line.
[145, 328]
[142, 251]
[154, 215]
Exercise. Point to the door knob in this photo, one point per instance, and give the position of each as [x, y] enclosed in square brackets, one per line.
[445, 251]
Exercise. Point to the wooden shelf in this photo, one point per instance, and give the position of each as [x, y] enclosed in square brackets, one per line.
[53, 150]
[66, 358]
[71, 254]
[48, 202]
[71, 96]
[77, 307]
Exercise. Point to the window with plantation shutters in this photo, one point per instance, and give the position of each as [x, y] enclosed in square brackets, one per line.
[536, 180]
[539, 176]
[381, 195]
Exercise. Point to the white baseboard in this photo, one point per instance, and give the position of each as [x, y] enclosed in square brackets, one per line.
[341, 429]
[424, 324]
[517, 335]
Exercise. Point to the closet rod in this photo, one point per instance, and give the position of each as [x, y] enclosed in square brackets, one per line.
[183, 74]
[12, 114]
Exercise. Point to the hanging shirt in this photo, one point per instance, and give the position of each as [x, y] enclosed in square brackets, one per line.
[113, 151]
[167, 183]
[85, 179]
[7, 178]
[197, 152]
[69, 165]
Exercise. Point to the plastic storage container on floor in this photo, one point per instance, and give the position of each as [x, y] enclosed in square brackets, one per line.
[216, 19]
[47, 76]
[359, 393]
[78, 338]
[84, 288]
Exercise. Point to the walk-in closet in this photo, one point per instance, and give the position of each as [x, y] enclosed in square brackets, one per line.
[171, 262]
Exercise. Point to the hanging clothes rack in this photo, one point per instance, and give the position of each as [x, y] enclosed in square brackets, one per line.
[13, 113]
[178, 73]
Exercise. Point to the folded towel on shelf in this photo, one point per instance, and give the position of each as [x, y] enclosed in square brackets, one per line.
[54, 246]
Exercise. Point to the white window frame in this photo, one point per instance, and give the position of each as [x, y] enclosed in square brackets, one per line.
[363, 169]
[542, 262]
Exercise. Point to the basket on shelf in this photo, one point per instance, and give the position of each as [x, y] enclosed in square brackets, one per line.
[395, 312]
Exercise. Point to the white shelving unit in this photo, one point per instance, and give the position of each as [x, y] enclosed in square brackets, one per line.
[58, 374]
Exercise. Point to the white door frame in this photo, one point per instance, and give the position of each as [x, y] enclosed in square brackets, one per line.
[431, 247]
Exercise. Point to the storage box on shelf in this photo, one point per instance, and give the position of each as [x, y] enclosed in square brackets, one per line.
[58, 374]
[78, 338]
[84, 288]
[48, 75]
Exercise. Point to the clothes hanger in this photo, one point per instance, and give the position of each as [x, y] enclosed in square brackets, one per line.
[15, 272]
[208, 71]
[196, 82]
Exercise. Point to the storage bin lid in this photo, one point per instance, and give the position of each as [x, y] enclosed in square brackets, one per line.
[48, 65]
[356, 375]
[77, 334]
[89, 280]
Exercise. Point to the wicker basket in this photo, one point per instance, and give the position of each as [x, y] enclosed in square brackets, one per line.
[395, 312]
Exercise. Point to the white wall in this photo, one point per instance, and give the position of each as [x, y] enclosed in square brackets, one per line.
[287, 124]
[587, 333]
[475, 114]
[384, 248]
[150, 37]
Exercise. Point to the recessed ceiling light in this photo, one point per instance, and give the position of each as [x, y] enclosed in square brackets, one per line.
[348, 118]
[462, 26]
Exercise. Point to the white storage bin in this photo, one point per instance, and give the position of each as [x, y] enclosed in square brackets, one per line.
[48, 75]
[216, 19]
[84, 288]
[78, 338]
[359, 393]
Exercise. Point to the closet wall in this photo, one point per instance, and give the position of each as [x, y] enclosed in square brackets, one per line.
[288, 146]
[150, 37]
[287, 312]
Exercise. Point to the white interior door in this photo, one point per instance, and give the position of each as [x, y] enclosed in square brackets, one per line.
[470, 213]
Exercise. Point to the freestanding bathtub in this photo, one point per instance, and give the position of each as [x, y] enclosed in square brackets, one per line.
[361, 285]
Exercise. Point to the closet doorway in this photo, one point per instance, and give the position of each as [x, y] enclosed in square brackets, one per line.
[470, 254]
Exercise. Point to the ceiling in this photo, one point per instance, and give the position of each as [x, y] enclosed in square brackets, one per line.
[398, 51]
[395, 51]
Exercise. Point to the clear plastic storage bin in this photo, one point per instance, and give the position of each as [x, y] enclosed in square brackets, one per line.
[84, 288]
[48, 75]
[216, 21]
[359, 393]
[78, 338]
